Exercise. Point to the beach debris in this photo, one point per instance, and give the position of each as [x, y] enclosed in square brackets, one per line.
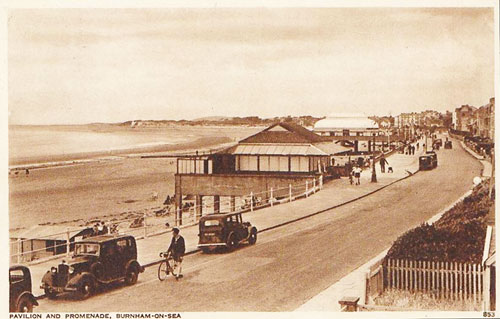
[161, 212]
[154, 196]
[138, 222]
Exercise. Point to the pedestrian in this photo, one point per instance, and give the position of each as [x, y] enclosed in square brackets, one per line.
[418, 145]
[95, 230]
[167, 200]
[103, 229]
[177, 249]
[27, 172]
[357, 174]
[383, 161]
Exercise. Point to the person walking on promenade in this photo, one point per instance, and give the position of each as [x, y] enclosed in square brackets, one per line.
[357, 174]
[418, 145]
[383, 161]
[177, 249]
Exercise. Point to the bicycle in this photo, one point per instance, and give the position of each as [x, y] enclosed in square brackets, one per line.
[165, 269]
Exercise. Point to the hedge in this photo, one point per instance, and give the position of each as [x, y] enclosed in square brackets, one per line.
[458, 236]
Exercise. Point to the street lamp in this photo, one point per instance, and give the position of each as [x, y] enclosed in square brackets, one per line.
[374, 173]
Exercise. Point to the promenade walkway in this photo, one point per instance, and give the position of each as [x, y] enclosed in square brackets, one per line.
[334, 193]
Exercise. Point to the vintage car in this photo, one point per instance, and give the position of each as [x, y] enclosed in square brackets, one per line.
[448, 145]
[438, 142]
[427, 161]
[434, 158]
[225, 230]
[96, 260]
[20, 297]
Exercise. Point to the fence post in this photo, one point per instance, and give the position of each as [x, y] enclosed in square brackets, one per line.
[321, 182]
[290, 191]
[271, 198]
[474, 282]
[145, 229]
[364, 292]
[251, 201]
[314, 185]
[307, 188]
[67, 241]
[19, 250]
[194, 212]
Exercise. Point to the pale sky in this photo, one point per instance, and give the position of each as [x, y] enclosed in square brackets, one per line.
[112, 65]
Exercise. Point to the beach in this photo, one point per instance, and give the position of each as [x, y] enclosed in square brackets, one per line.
[113, 182]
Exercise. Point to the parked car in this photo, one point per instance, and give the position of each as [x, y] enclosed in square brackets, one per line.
[20, 297]
[448, 145]
[427, 161]
[96, 260]
[438, 142]
[434, 158]
[225, 230]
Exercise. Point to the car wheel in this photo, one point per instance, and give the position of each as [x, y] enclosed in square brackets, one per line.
[24, 305]
[231, 242]
[50, 293]
[253, 237]
[131, 275]
[87, 288]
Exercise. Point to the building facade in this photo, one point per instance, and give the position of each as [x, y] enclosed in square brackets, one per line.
[465, 118]
[281, 155]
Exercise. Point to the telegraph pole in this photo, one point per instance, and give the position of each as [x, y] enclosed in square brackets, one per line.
[374, 173]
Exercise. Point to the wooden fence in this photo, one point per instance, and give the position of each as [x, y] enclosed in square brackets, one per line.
[449, 280]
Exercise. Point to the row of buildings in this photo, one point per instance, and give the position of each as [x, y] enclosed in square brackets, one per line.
[476, 121]
[427, 118]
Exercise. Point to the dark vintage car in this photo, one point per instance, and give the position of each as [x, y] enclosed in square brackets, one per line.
[434, 158]
[225, 230]
[448, 145]
[438, 142]
[96, 260]
[427, 161]
[20, 297]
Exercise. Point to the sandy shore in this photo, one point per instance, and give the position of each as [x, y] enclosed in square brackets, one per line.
[75, 194]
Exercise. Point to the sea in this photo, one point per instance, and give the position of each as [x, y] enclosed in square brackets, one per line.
[32, 144]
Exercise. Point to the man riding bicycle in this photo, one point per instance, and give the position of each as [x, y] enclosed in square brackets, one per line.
[177, 249]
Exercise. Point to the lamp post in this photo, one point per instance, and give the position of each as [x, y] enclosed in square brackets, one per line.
[374, 173]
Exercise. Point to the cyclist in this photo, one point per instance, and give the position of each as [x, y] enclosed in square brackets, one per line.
[177, 249]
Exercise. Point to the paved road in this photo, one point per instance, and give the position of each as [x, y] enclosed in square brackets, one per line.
[291, 264]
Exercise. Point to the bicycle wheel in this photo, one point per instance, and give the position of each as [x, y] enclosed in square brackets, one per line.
[163, 270]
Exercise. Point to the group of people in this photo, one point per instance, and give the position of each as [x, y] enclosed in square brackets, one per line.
[355, 172]
[99, 229]
[410, 149]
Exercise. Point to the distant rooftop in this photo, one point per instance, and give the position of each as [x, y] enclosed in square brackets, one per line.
[283, 132]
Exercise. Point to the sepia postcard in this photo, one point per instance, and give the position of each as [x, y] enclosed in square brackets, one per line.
[191, 159]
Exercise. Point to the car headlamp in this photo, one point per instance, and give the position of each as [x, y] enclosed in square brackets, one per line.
[71, 270]
[53, 269]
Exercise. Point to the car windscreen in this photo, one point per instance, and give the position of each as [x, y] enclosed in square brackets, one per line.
[87, 249]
